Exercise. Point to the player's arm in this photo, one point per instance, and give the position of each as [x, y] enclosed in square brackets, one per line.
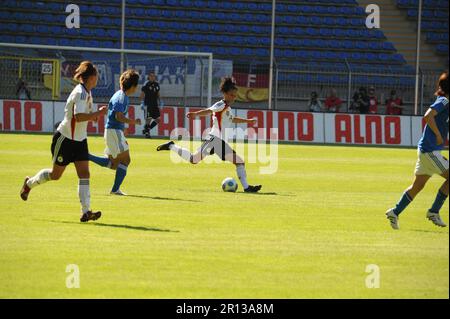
[122, 118]
[80, 110]
[431, 122]
[83, 117]
[205, 112]
[239, 120]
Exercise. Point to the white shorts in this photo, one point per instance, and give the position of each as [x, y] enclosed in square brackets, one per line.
[431, 163]
[116, 142]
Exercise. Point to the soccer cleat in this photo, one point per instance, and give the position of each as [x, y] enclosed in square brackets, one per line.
[393, 218]
[147, 135]
[253, 189]
[118, 192]
[89, 215]
[25, 191]
[165, 146]
[436, 219]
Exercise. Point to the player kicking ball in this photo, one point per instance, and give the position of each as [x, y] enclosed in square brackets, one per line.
[430, 159]
[222, 119]
[70, 141]
[117, 149]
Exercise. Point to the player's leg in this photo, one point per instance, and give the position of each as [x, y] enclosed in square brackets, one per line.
[154, 115]
[101, 160]
[407, 197]
[42, 177]
[82, 168]
[104, 161]
[228, 154]
[148, 119]
[185, 153]
[441, 197]
[61, 148]
[121, 171]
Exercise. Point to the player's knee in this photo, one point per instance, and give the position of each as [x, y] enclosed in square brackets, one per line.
[84, 175]
[54, 176]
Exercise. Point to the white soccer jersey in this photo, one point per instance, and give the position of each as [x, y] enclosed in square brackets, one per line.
[222, 119]
[79, 101]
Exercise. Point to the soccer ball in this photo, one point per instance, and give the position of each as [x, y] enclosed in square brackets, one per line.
[229, 185]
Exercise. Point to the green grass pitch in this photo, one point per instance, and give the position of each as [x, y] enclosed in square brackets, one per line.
[311, 233]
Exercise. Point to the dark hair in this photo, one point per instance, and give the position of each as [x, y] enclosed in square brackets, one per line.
[85, 70]
[128, 79]
[442, 85]
[227, 85]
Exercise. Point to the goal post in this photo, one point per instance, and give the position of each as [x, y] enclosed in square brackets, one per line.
[185, 77]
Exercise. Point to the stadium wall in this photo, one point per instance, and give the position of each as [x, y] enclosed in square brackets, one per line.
[330, 128]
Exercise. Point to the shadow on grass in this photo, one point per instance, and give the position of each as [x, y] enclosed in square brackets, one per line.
[441, 231]
[142, 228]
[163, 198]
[268, 194]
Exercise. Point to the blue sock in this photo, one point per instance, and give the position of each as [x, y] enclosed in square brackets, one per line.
[121, 172]
[402, 204]
[438, 202]
[102, 161]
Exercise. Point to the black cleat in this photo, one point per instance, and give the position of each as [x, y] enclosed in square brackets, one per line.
[165, 146]
[25, 191]
[253, 189]
[89, 215]
[147, 135]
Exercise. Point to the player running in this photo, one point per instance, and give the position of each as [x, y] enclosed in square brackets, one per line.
[70, 141]
[117, 149]
[222, 118]
[430, 159]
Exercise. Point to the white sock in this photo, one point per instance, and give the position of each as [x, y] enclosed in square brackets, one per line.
[40, 178]
[84, 194]
[241, 173]
[184, 153]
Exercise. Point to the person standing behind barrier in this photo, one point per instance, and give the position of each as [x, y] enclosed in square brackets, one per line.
[150, 104]
[360, 101]
[314, 104]
[394, 104]
[22, 91]
[373, 101]
[333, 103]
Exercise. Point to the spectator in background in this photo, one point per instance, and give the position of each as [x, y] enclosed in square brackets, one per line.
[333, 103]
[373, 101]
[360, 101]
[314, 104]
[22, 91]
[394, 104]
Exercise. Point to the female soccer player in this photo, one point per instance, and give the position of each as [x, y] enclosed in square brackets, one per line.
[70, 141]
[430, 160]
[117, 148]
[222, 118]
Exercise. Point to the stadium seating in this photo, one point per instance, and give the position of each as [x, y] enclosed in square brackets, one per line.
[308, 31]
[434, 20]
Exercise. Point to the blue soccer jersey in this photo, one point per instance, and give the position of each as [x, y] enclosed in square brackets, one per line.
[428, 141]
[118, 103]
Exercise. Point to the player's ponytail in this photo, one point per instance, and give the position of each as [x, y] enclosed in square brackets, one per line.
[85, 70]
[442, 85]
[228, 84]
